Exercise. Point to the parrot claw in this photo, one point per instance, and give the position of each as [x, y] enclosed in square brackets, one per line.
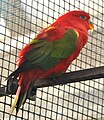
[32, 97]
[32, 94]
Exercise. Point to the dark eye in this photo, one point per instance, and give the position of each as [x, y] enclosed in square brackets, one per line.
[83, 17]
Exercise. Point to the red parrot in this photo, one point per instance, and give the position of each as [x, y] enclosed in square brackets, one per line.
[50, 52]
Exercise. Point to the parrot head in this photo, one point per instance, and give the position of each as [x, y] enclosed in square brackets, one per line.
[78, 19]
[81, 20]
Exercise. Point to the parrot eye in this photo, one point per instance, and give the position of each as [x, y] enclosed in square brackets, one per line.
[83, 17]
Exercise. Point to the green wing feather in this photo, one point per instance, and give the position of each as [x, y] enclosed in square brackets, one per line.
[47, 54]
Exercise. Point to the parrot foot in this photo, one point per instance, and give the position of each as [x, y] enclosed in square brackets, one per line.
[32, 94]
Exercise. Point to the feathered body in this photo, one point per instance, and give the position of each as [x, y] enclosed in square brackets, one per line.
[50, 52]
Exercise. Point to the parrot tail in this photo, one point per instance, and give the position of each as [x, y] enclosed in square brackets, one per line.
[23, 88]
[15, 100]
[22, 94]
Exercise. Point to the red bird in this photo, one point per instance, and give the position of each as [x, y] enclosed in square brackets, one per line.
[51, 52]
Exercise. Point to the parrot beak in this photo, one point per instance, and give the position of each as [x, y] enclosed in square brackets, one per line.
[91, 25]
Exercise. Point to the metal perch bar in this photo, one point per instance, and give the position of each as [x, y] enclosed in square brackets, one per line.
[71, 77]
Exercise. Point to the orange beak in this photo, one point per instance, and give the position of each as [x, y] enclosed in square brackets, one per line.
[91, 25]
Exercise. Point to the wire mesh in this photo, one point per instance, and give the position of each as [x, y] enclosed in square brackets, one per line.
[20, 21]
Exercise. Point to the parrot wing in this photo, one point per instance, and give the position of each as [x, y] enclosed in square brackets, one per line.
[46, 54]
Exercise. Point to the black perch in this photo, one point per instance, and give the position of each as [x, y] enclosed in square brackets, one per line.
[71, 77]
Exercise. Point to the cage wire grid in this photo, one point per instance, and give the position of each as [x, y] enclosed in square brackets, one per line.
[20, 21]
